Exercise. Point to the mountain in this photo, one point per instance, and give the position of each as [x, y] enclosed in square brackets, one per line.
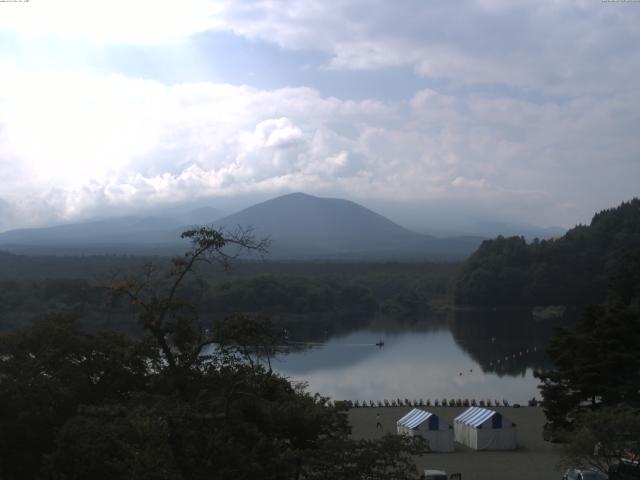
[492, 229]
[126, 229]
[509, 229]
[130, 234]
[199, 216]
[304, 226]
[300, 226]
[298, 215]
[574, 269]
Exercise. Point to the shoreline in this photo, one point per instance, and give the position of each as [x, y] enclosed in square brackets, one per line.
[445, 403]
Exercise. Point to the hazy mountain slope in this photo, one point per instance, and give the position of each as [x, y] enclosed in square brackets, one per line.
[301, 215]
[508, 229]
[300, 226]
[199, 216]
[127, 229]
[303, 226]
[105, 230]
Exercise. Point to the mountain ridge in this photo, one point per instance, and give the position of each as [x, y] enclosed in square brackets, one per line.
[320, 216]
[301, 227]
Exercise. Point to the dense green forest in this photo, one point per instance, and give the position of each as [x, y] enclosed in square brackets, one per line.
[305, 297]
[571, 270]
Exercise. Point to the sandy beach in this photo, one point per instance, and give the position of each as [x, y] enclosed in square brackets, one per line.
[534, 459]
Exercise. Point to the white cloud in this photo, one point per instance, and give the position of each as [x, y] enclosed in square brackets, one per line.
[277, 132]
[555, 47]
[73, 143]
[552, 47]
[116, 21]
[469, 182]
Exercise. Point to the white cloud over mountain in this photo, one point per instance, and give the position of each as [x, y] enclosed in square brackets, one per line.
[532, 110]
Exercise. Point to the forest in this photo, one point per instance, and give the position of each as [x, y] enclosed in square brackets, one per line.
[298, 295]
[571, 270]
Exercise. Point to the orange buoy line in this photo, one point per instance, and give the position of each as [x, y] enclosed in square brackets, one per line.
[513, 356]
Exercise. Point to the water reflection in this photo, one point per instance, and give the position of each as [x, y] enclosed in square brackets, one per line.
[507, 342]
[455, 357]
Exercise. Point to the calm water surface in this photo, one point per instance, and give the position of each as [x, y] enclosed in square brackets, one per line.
[467, 356]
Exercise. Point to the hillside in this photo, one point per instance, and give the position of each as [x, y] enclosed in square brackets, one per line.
[571, 270]
[304, 226]
[301, 227]
[130, 234]
[301, 215]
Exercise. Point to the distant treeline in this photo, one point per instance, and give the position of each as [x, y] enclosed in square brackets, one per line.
[305, 297]
[571, 270]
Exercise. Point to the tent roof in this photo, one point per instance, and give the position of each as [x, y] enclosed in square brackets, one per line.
[475, 416]
[414, 418]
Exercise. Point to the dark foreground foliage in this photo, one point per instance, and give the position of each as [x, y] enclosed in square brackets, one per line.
[80, 405]
[591, 397]
[606, 440]
[179, 402]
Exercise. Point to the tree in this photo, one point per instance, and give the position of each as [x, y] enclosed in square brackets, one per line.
[249, 337]
[388, 458]
[597, 361]
[169, 406]
[172, 322]
[114, 442]
[603, 438]
[47, 371]
[570, 270]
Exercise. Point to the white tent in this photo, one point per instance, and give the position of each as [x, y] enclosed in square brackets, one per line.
[483, 429]
[439, 435]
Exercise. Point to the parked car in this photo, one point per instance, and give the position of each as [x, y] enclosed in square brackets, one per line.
[627, 469]
[584, 474]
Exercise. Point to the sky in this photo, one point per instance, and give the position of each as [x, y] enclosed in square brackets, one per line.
[525, 111]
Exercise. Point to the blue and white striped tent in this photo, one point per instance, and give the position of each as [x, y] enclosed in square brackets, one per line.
[439, 435]
[484, 429]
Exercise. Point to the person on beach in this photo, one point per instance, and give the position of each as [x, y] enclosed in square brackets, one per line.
[378, 424]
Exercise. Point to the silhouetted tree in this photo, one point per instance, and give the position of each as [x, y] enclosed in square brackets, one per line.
[597, 361]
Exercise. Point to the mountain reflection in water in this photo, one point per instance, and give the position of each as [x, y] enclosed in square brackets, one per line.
[480, 355]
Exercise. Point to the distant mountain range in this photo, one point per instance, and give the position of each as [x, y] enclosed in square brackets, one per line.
[304, 226]
[493, 228]
[300, 227]
[130, 234]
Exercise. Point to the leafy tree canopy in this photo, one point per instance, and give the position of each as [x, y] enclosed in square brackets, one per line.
[597, 361]
[572, 270]
[605, 440]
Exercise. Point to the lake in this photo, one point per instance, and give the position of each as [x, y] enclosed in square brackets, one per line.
[480, 355]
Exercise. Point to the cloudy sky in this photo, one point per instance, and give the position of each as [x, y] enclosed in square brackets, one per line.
[527, 110]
